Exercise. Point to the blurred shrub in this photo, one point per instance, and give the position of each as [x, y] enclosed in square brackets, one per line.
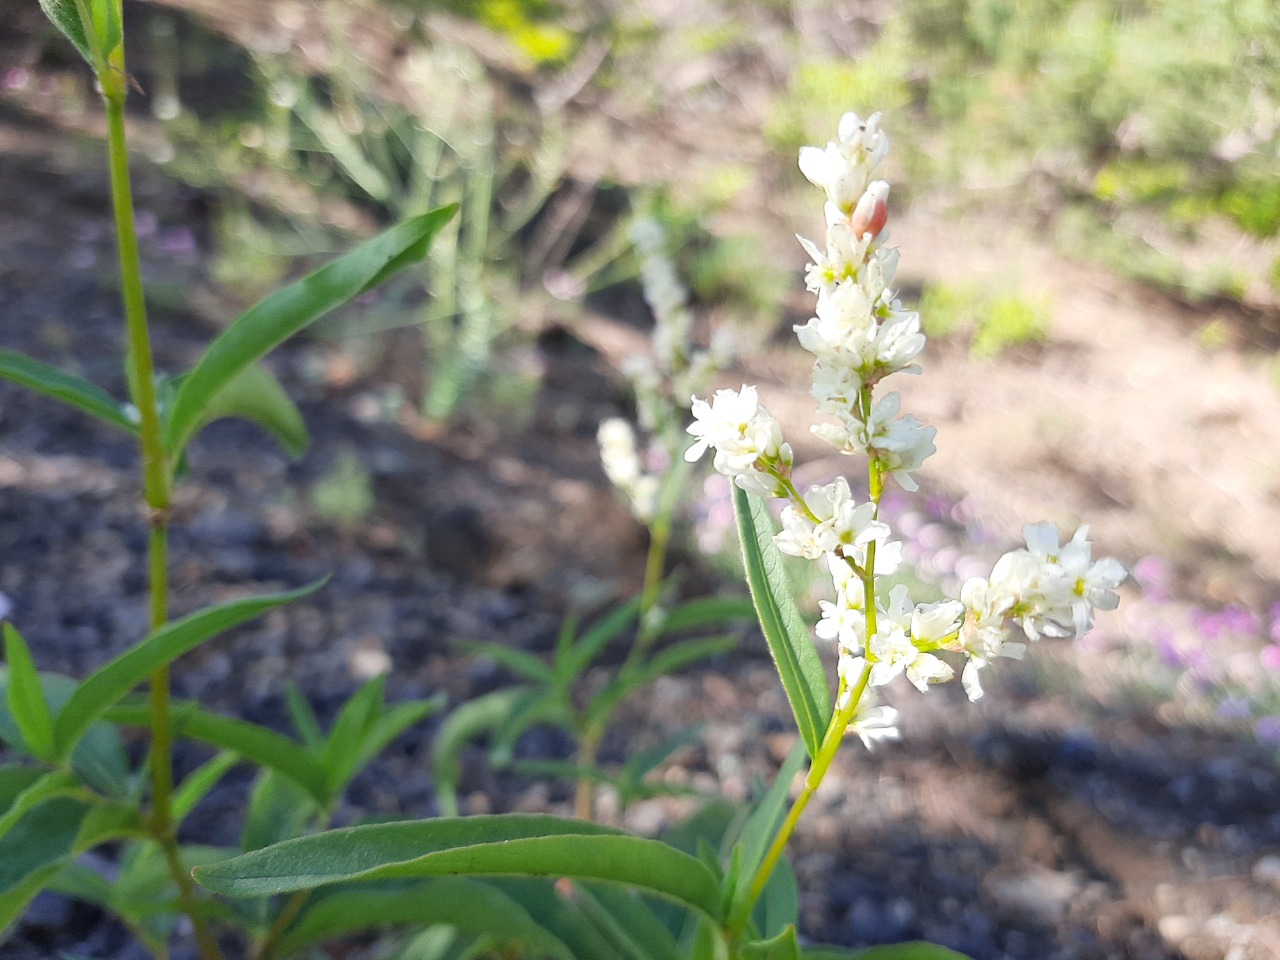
[1168, 107]
[991, 324]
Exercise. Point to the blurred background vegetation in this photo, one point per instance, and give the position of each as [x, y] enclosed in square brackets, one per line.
[1141, 135]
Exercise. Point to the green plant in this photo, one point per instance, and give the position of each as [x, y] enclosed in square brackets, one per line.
[717, 886]
[732, 896]
[75, 790]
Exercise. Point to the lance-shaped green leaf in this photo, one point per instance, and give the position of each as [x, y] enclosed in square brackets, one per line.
[282, 314]
[107, 685]
[782, 947]
[66, 387]
[260, 744]
[803, 677]
[471, 906]
[761, 827]
[66, 17]
[40, 838]
[25, 697]
[254, 394]
[510, 845]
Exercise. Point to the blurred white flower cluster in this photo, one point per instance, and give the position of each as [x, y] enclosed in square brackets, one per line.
[860, 335]
[636, 465]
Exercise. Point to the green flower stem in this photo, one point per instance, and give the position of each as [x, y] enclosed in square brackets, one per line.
[156, 488]
[831, 741]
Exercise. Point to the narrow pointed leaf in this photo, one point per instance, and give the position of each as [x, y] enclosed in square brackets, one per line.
[107, 685]
[467, 722]
[803, 677]
[260, 744]
[303, 717]
[587, 647]
[279, 809]
[282, 314]
[761, 827]
[40, 839]
[511, 845]
[519, 662]
[25, 697]
[66, 387]
[356, 718]
[197, 784]
[66, 17]
[625, 919]
[708, 611]
[254, 394]
[471, 906]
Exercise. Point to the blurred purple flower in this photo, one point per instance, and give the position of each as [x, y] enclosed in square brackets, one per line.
[1269, 657]
[1234, 708]
[1154, 574]
[1267, 731]
[1167, 648]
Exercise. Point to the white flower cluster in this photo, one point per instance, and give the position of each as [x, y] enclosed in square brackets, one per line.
[861, 334]
[676, 370]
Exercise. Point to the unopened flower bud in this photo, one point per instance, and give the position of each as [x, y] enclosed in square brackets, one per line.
[872, 211]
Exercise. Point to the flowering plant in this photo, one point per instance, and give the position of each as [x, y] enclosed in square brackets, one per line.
[717, 887]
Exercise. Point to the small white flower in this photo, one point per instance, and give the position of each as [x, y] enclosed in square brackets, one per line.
[742, 432]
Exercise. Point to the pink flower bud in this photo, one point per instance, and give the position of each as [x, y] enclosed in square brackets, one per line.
[872, 211]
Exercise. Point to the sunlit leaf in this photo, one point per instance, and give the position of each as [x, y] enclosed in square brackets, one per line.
[512, 844]
[282, 314]
[803, 677]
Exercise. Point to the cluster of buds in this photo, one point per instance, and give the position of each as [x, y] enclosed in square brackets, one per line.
[861, 334]
[677, 369]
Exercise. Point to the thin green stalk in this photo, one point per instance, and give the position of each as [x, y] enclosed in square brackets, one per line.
[831, 741]
[271, 941]
[156, 488]
[843, 716]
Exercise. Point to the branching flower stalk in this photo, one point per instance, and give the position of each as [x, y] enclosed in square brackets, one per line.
[860, 335]
[157, 483]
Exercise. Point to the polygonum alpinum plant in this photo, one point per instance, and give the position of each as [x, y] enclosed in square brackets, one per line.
[860, 335]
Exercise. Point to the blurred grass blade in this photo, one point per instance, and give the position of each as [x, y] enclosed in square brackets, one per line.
[708, 611]
[469, 721]
[25, 698]
[590, 644]
[108, 684]
[803, 677]
[282, 314]
[471, 906]
[279, 808]
[506, 845]
[197, 784]
[625, 920]
[66, 387]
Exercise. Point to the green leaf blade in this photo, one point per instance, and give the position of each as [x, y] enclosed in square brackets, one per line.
[803, 676]
[282, 314]
[25, 696]
[506, 845]
[470, 905]
[108, 684]
[65, 387]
